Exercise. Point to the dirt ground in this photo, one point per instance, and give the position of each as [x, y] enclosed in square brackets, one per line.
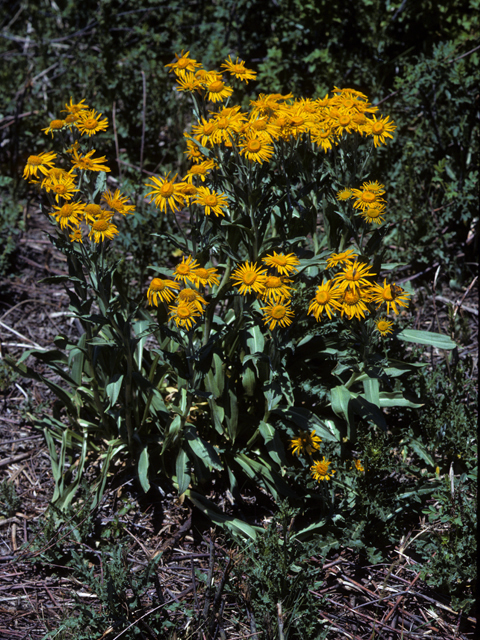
[34, 598]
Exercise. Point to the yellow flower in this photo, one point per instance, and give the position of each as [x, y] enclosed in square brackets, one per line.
[161, 289]
[276, 288]
[238, 70]
[368, 195]
[327, 299]
[55, 125]
[323, 136]
[267, 104]
[75, 109]
[353, 276]
[89, 122]
[184, 314]
[217, 90]
[392, 294]
[102, 228]
[284, 264]
[118, 202]
[344, 194]
[256, 125]
[305, 443]
[183, 63]
[341, 258]
[193, 152]
[203, 131]
[205, 276]
[193, 298]
[384, 326]
[188, 81]
[200, 169]
[320, 471]
[166, 193]
[249, 277]
[42, 162]
[188, 191]
[69, 215]
[278, 313]
[358, 466]
[94, 211]
[257, 148]
[76, 235]
[380, 129]
[213, 202]
[185, 270]
[87, 163]
[62, 186]
[354, 302]
[374, 213]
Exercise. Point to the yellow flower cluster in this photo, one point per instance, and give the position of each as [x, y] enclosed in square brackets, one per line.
[309, 443]
[189, 304]
[62, 184]
[351, 289]
[367, 200]
[272, 288]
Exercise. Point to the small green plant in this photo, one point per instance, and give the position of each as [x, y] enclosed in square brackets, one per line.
[276, 577]
[9, 500]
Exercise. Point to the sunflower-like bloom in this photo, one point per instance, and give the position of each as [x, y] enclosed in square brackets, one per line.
[380, 129]
[211, 201]
[42, 162]
[305, 443]
[327, 300]
[193, 152]
[374, 214]
[189, 191]
[94, 211]
[284, 264]
[257, 148]
[261, 126]
[369, 195]
[278, 312]
[392, 294]
[320, 471]
[185, 270]
[193, 298]
[204, 131]
[76, 235]
[118, 202]
[88, 163]
[55, 125]
[63, 186]
[75, 108]
[217, 90]
[206, 277]
[200, 169]
[354, 302]
[267, 104]
[166, 193]
[90, 123]
[184, 315]
[188, 81]
[102, 228]
[183, 63]
[276, 288]
[161, 289]
[229, 123]
[353, 275]
[344, 194]
[238, 70]
[384, 326]
[341, 258]
[249, 278]
[323, 137]
[69, 215]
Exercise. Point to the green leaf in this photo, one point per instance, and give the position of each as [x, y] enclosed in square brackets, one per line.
[143, 469]
[114, 387]
[340, 397]
[181, 468]
[203, 449]
[256, 341]
[420, 450]
[396, 399]
[428, 338]
[372, 390]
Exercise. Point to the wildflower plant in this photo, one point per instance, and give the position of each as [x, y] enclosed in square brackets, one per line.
[270, 332]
